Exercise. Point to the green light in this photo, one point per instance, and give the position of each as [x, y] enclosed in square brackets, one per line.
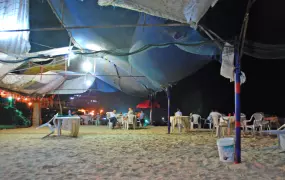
[10, 98]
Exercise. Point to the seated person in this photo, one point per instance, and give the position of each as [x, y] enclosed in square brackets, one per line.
[113, 118]
[97, 121]
[130, 111]
[141, 118]
[178, 113]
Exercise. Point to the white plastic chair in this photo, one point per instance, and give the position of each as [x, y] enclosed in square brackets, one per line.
[108, 116]
[51, 127]
[218, 126]
[195, 118]
[120, 120]
[178, 121]
[131, 120]
[209, 122]
[257, 119]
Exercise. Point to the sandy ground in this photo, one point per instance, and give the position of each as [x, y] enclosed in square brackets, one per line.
[100, 153]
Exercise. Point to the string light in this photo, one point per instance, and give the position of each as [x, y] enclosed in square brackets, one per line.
[10, 98]
[19, 98]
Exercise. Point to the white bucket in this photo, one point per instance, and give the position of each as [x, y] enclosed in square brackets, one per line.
[226, 149]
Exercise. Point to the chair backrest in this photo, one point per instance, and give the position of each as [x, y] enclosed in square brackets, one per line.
[215, 120]
[177, 114]
[258, 117]
[216, 116]
[131, 118]
[242, 116]
[108, 115]
[119, 117]
[196, 118]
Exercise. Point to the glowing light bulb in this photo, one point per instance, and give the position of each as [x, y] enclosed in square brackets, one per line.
[93, 47]
[88, 83]
[71, 55]
[10, 98]
[87, 66]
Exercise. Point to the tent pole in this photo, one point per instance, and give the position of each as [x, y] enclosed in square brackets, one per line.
[237, 107]
[150, 113]
[238, 51]
[168, 115]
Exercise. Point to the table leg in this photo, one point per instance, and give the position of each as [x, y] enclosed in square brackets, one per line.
[218, 131]
[58, 127]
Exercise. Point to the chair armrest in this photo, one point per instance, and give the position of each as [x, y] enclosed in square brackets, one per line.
[283, 126]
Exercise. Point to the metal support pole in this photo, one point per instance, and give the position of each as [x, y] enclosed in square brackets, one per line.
[238, 54]
[168, 115]
[150, 112]
[237, 106]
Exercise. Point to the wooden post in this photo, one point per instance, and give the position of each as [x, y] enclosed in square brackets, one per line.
[37, 119]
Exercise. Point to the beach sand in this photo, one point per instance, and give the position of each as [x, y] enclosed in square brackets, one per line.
[101, 153]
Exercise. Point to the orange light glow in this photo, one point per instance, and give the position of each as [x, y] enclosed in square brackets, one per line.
[82, 110]
[101, 111]
[18, 99]
[25, 99]
[30, 103]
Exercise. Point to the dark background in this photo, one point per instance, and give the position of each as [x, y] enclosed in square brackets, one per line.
[263, 90]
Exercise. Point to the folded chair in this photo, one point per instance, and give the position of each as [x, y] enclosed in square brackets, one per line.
[51, 127]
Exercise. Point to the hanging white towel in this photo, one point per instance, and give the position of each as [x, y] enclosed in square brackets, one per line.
[227, 68]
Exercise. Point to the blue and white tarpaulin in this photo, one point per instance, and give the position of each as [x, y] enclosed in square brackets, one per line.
[175, 52]
[14, 14]
[190, 11]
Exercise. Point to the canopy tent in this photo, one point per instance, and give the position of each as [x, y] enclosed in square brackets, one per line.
[143, 55]
[139, 60]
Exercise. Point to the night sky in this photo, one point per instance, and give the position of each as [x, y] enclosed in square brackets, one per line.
[206, 89]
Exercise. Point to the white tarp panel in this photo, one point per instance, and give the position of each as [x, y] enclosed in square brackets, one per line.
[75, 86]
[190, 11]
[14, 14]
[5, 67]
[51, 52]
[47, 83]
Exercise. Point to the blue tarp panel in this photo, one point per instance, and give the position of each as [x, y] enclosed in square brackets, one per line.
[100, 85]
[156, 67]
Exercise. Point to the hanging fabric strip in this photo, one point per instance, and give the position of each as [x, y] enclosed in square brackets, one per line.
[41, 69]
[69, 54]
